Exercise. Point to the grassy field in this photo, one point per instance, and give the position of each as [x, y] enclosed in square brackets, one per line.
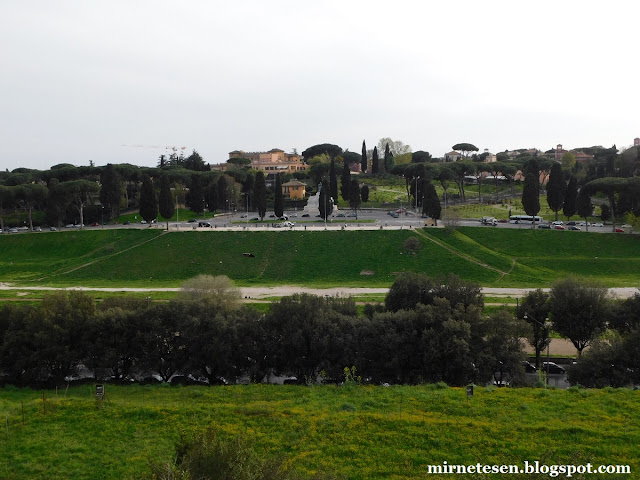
[354, 431]
[153, 258]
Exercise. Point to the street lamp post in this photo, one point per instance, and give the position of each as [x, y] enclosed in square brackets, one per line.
[102, 216]
[416, 194]
[547, 326]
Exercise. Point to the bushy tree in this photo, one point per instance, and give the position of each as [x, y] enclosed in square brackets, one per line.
[578, 310]
[535, 311]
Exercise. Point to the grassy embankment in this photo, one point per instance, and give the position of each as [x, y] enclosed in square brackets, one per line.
[355, 431]
[151, 258]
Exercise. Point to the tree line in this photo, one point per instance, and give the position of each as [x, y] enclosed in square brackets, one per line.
[428, 330]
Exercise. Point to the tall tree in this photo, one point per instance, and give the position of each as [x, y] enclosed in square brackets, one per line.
[535, 310]
[213, 196]
[111, 188]
[345, 183]
[333, 178]
[388, 159]
[556, 188]
[584, 207]
[148, 200]
[29, 196]
[531, 189]
[325, 202]
[363, 161]
[431, 203]
[570, 198]
[278, 205]
[374, 161]
[79, 193]
[165, 202]
[260, 194]
[465, 148]
[195, 197]
[354, 196]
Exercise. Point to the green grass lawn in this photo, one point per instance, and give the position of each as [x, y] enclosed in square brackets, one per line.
[153, 258]
[356, 432]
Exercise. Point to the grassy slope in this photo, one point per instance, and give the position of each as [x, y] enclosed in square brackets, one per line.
[357, 432]
[153, 259]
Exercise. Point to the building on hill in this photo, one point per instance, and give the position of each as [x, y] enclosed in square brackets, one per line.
[636, 142]
[452, 156]
[294, 189]
[273, 161]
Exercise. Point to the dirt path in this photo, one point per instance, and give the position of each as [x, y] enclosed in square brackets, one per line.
[285, 290]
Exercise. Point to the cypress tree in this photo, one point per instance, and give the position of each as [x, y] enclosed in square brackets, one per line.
[345, 182]
[363, 162]
[354, 196]
[389, 163]
[260, 195]
[148, 200]
[556, 188]
[165, 202]
[364, 193]
[584, 207]
[570, 198]
[278, 205]
[325, 205]
[374, 161]
[110, 190]
[431, 203]
[531, 189]
[333, 180]
[212, 196]
[195, 197]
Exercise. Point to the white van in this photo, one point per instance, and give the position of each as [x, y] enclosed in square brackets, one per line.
[489, 221]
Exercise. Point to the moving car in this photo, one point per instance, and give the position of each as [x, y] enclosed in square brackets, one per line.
[557, 222]
[558, 227]
[573, 227]
[544, 226]
[619, 230]
[599, 224]
[529, 367]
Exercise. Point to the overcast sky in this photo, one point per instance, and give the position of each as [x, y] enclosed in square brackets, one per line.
[119, 81]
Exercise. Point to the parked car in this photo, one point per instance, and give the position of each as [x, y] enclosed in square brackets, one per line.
[244, 215]
[351, 215]
[552, 368]
[619, 230]
[306, 215]
[573, 227]
[204, 224]
[95, 224]
[544, 226]
[571, 223]
[53, 229]
[37, 229]
[13, 230]
[599, 224]
[529, 367]
[288, 224]
[192, 220]
[394, 214]
[341, 215]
